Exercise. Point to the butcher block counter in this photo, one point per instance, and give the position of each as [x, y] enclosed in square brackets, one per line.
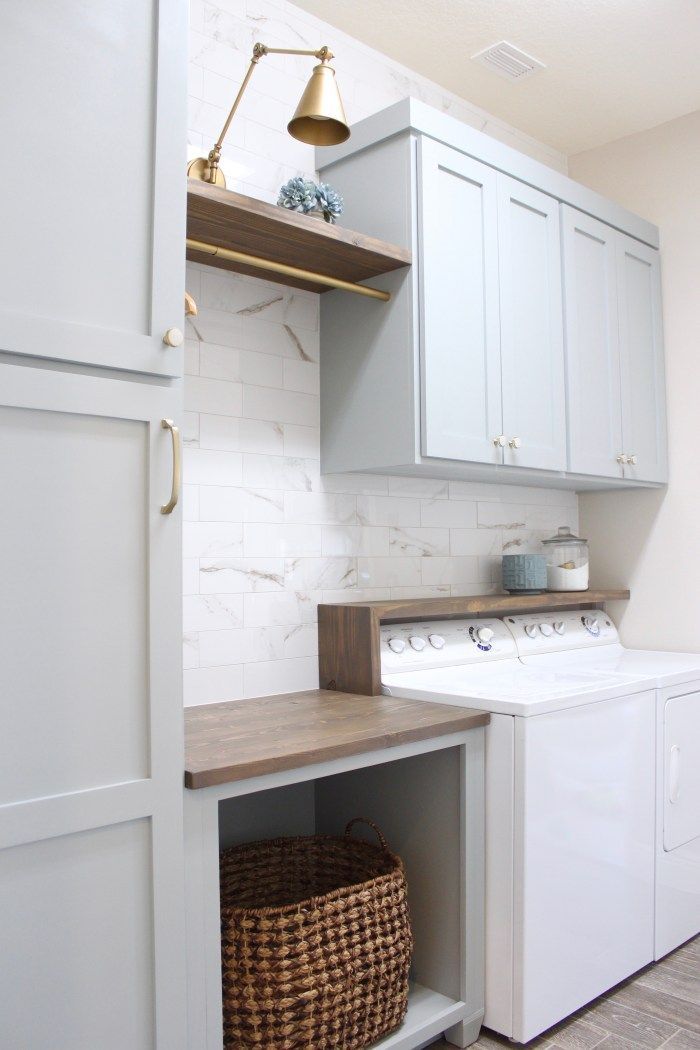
[249, 738]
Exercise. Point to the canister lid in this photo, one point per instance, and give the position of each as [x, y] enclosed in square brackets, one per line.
[565, 536]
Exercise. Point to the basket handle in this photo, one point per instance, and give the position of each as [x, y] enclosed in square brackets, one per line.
[372, 825]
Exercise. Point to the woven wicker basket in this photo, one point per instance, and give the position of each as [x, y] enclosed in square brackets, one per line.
[316, 943]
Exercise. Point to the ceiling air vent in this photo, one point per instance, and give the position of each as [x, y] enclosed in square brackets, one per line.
[508, 61]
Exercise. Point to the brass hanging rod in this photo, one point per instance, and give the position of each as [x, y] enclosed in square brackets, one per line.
[288, 271]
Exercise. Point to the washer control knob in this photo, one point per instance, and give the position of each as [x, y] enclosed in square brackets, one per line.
[436, 640]
[484, 634]
[547, 629]
[397, 645]
[591, 624]
[417, 642]
[559, 626]
[531, 630]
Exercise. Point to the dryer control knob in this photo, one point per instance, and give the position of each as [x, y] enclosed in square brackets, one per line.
[397, 645]
[559, 626]
[436, 640]
[417, 642]
[531, 630]
[547, 629]
[484, 634]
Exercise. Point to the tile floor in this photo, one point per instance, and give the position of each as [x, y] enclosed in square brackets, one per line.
[659, 1006]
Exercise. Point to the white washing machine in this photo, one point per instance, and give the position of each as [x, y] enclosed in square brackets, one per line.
[569, 813]
[588, 641]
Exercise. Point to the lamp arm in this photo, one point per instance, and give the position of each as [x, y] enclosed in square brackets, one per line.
[259, 51]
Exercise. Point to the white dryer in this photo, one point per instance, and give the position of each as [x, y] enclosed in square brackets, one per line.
[569, 814]
[585, 640]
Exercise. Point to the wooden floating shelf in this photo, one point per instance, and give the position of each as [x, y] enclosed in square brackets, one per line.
[348, 635]
[233, 221]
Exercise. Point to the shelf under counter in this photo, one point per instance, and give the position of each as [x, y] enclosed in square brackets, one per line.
[306, 763]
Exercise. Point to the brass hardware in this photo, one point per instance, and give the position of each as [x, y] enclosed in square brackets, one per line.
[173, 337]
[190, 306]
[288, 271]
[169, 507]
[319, 118]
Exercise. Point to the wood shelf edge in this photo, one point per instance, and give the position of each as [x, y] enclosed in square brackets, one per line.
[232, 220]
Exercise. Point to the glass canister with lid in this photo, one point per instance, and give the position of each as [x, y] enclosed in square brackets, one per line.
[567, 561]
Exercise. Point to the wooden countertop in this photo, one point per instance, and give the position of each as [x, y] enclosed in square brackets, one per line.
[250, 738]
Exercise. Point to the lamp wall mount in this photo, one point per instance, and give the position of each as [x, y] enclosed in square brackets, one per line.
[319, 118]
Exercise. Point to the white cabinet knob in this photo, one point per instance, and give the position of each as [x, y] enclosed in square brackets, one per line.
[173, 337]
[515, 442]
[622, 459]
[632, 460]
[501, 441]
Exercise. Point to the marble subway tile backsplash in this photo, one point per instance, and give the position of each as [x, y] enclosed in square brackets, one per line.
[266, 536]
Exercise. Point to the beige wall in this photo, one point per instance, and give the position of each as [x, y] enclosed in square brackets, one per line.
[650, 540]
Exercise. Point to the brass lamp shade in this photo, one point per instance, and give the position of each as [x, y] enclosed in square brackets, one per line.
[320, 118]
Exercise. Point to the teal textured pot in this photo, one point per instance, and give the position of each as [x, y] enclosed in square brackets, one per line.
[524, 573]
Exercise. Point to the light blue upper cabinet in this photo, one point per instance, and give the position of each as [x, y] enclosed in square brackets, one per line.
[592, 345]
[525, 343]
[460, 341]
[614, 347]
[641, 361]
[92, 189]
[532, 343]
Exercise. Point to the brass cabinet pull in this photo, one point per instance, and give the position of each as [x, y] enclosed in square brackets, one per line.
[169, 507]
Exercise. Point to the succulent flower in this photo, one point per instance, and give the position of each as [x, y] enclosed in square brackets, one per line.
[329, 202]
[299, 194]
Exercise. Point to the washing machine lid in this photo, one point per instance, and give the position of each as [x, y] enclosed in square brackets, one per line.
[681, 770]
[510, 687]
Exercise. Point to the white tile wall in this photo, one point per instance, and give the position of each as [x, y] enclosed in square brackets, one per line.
[266, 536]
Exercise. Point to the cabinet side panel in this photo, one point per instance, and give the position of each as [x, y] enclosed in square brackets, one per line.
[369, 385]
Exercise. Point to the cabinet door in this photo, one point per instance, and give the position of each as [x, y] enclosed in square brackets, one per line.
[532, 337]
[91, 873]
[92, 190]
[460, 352]
[592, 345]
[642, 360]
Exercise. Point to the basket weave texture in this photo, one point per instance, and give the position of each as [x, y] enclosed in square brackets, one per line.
[316, 943]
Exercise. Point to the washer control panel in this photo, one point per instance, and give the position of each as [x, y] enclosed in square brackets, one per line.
[553, 632]
[438, 643]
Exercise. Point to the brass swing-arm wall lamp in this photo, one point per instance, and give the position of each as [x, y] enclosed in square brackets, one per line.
[319, 118]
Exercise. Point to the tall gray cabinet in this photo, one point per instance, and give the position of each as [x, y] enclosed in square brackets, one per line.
[93, 210]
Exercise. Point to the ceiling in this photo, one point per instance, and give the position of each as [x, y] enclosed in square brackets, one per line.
[614, 67]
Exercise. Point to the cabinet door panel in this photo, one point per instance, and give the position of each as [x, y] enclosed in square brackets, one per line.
[592, 345]
[92, 201]
[91, 748]
[642, 360]
[532, 341]
[460, 353]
